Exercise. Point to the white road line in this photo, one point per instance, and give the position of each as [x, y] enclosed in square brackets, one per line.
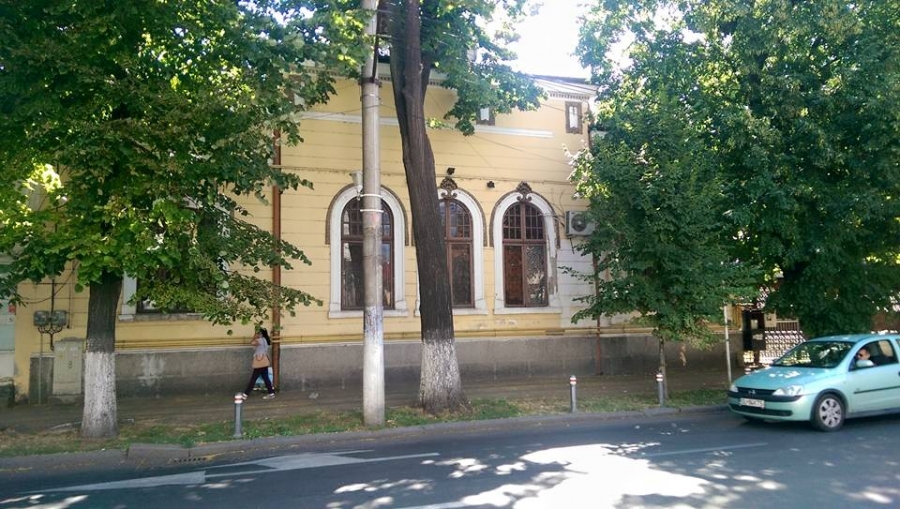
[325, 460]
[268, 466]
[704, 449]
[145, 482]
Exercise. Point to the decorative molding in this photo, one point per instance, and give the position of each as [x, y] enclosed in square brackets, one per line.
[391, 121]
[449, 185]
[525, 190]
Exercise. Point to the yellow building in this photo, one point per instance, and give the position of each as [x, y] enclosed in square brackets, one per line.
[506, 189]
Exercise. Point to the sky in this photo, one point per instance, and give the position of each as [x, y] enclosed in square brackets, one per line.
[548, 40]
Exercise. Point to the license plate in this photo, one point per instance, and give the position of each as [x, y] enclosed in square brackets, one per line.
[755, 403]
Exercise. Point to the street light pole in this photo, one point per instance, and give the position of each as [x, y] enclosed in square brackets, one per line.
[373, 316]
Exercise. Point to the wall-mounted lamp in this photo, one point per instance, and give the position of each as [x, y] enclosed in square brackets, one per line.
[451, 170]
[491, 184]
[357, 177]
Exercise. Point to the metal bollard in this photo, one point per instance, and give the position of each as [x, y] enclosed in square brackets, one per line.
[573, 405]
[662, 392]
[238, 403]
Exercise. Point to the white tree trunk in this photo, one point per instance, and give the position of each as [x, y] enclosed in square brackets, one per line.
[99, 419]
[440, 387]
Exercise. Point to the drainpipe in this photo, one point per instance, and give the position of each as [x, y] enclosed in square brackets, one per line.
[276, 270]
[598, 365]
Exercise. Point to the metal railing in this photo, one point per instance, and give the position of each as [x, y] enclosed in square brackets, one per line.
[786, 334]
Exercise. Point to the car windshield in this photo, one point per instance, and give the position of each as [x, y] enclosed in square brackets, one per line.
[815, 354]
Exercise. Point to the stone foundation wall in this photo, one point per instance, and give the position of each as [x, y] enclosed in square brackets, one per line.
[310, 367]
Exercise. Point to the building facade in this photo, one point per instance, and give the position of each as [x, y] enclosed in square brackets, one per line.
[507, 204]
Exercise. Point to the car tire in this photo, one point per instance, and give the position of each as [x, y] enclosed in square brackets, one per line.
[828, 412]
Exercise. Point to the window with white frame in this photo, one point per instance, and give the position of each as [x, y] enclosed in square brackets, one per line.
[352, 287]
[573, 117]
[524, 256]
[457, 223]
[485, 116]
[524, 238]
[209, 225]
[345, 247]
[464, 233]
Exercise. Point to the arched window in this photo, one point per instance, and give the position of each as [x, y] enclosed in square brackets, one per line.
[464, 234]
[523, 228]
[344, 237]
[524, 257]
[352, 288]
[457, 223]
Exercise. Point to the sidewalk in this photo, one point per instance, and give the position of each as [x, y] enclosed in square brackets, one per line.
[198, 409]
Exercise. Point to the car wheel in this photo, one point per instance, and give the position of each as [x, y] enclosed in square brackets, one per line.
[828, 413]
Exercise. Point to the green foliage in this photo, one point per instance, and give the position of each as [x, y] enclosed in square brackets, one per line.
[451, 32]
[129, 130]
[793, 104]
[662, 225]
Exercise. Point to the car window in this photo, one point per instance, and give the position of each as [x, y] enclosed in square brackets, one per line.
[883, 353]
[815, 354]
[876, 353]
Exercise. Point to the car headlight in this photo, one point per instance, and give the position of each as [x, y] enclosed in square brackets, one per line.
[790, 390]
[732, 388]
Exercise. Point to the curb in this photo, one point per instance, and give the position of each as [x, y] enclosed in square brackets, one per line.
[156, 453]
[166, 454]
[56, 461]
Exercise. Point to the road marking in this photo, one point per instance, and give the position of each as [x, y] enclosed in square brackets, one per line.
[285, 463]
[705, 449]
[268, 465]
[448, 505]
[145, 482]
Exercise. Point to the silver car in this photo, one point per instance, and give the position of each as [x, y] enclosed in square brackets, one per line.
[824, 381]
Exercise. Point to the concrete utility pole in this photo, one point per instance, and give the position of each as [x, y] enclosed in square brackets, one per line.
[373, 316]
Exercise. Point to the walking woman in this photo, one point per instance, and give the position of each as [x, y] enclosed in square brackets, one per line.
[261, 363]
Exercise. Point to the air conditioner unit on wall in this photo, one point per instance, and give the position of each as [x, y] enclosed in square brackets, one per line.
[577, 224]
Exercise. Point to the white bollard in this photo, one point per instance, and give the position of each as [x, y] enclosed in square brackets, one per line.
[573, 406]
[662, 392]
[238, 403]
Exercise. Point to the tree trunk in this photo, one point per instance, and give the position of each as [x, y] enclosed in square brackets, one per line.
[100, 417]
[440, 387]
[662, 368]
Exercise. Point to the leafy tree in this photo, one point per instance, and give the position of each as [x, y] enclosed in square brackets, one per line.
[796, 104]
[132, 129]
[662, 221]
[439, 36]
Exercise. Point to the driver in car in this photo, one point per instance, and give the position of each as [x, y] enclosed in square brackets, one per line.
[864, 358]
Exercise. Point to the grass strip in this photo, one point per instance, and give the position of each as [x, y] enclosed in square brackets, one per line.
[154, 432]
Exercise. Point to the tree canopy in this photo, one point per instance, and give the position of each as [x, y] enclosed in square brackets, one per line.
[792, 103]
[129, 133]
[137, 125]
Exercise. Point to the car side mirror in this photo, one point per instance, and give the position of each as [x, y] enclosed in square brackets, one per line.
[864, 363]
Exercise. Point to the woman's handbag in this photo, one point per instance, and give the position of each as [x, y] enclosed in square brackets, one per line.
[261, 361]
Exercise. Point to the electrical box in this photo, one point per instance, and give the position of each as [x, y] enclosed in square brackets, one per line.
[68, 363]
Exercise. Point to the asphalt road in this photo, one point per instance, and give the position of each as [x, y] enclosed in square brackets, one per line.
[702, 460]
